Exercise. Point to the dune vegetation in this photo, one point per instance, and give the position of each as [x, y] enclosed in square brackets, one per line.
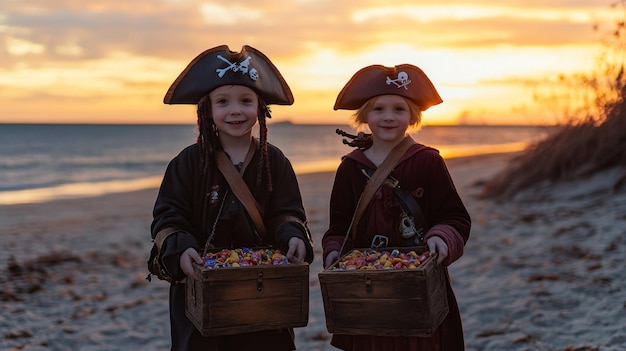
[591, 136]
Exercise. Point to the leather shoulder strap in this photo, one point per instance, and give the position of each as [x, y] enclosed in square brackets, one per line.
[377, 179]
[240, 188]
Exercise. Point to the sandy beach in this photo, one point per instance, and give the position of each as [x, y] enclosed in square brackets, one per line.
[542, 274]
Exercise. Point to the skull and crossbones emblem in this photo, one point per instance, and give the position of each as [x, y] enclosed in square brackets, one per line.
[401, 82]
[242, 67]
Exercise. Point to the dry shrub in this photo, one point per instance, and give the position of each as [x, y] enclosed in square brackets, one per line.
[592, 138]
[572, 152]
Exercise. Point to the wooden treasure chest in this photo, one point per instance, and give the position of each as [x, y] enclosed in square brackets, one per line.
[399, 296]
[233, 299]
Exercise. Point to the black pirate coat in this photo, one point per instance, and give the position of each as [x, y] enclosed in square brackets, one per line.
[191, 203]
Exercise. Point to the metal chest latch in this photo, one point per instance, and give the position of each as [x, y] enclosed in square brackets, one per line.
[259, 282]
[368, 285]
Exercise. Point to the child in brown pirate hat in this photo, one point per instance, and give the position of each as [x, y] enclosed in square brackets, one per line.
[196, 208]
[417, 205]
[375, 80]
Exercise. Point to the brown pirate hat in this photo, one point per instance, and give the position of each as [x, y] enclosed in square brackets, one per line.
[404, 80]
[220, 66]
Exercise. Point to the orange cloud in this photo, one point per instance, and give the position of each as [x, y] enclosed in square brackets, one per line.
[112, 60]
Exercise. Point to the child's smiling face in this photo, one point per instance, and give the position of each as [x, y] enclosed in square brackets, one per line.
[389, 118]
[234, 109]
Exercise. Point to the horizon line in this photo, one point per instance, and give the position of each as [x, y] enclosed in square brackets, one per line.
[275, 123]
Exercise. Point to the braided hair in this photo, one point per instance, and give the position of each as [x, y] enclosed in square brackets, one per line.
[209, 142]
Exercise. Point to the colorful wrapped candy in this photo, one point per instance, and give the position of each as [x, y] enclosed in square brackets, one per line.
[244, 257]
[371, 260]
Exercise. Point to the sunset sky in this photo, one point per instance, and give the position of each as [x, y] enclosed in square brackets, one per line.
[111, 61]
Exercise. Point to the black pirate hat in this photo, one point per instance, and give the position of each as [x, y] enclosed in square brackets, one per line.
[220, 66]
[404, 80]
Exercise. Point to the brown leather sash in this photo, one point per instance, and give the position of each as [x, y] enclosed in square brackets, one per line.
[377, 179]
[159, 239]
[240, 188]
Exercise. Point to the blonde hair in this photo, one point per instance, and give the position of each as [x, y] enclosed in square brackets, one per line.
[360, 116]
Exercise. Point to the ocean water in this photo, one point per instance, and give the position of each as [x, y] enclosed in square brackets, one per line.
[45, 162]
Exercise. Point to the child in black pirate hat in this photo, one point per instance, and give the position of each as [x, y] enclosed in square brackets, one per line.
[197, 208]
[417, 204]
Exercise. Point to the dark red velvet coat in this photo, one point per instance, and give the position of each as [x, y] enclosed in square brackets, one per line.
[184, 202]
[421, 171]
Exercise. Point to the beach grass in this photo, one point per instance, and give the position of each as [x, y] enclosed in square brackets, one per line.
[591, 137]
